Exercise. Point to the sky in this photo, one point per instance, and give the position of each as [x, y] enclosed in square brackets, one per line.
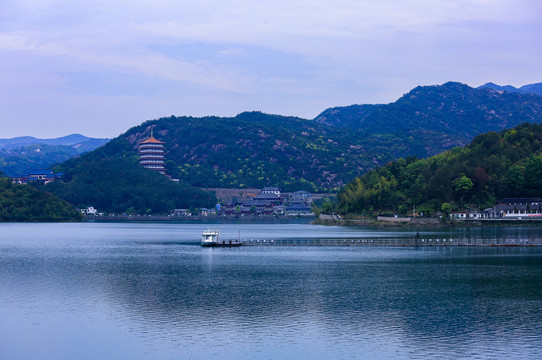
[99, 67]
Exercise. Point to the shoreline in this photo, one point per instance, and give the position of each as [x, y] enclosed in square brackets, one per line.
[197, 219]
[422, 222]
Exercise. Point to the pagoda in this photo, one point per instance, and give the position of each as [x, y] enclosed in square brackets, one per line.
[151, 155]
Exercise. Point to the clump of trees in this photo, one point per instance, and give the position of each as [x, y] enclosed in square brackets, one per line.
[26, 203]
[493, 166]
[119, 184]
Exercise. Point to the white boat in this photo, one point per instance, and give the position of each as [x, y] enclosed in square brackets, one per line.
[210, 237]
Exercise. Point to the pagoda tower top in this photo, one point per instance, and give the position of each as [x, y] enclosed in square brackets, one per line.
[152, 140]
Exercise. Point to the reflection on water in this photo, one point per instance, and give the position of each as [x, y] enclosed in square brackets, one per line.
[148, 291]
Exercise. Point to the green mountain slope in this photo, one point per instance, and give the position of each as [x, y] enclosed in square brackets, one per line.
[111, 180]
[435, 118]
[493, 166]
[255, 150]
[26, 203]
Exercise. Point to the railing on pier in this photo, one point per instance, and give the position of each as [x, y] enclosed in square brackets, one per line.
[409, 242]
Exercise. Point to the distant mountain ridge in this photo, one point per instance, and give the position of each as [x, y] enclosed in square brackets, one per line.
[430, 119]
[77, 141]
[346, 116]
[525, 89]
[26, 153]
[254, 149]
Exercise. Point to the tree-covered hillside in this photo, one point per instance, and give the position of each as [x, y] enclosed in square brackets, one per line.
[493, 166]
[257, 150]
[431, 119]
[26, 203]
[111, 180]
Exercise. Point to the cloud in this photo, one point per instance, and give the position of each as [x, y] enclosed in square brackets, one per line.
[282, 56]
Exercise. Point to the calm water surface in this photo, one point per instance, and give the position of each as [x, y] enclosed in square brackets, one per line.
[149, 291]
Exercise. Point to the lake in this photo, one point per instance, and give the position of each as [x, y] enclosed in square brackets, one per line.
[149, 291]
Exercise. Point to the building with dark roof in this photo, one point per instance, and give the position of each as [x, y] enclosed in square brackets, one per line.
[298, 208]
[44, 176]
[509, 208]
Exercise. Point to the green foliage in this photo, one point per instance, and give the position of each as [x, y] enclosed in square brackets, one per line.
[254, 150]
[26, 203]
[462, 184]
[445, 209]
[121, 185]
[493, 166]
[533, 175]
[431, 119]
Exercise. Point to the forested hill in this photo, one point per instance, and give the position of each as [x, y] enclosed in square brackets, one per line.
[436, 118]
[111, 180]
[254, 149]
[25, 203]
[492, 167]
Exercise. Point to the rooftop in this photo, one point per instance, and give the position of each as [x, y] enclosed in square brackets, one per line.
[152, 140]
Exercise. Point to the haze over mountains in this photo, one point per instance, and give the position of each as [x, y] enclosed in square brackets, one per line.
[22, 154]
[79, 142]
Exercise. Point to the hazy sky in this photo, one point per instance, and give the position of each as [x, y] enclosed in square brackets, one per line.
[99, 67]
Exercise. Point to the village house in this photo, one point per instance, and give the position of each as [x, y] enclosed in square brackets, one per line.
[519, 208]
[45, 176]
[89, 211]
[181, 212]
[270, 202]
[508, 208]
[299, 208]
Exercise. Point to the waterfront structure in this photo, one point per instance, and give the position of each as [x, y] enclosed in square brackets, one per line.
[299, 208]
[181, 212]
[519, 208]
[210, 237]
[151, 155]
[509, 208]
[89, 211]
